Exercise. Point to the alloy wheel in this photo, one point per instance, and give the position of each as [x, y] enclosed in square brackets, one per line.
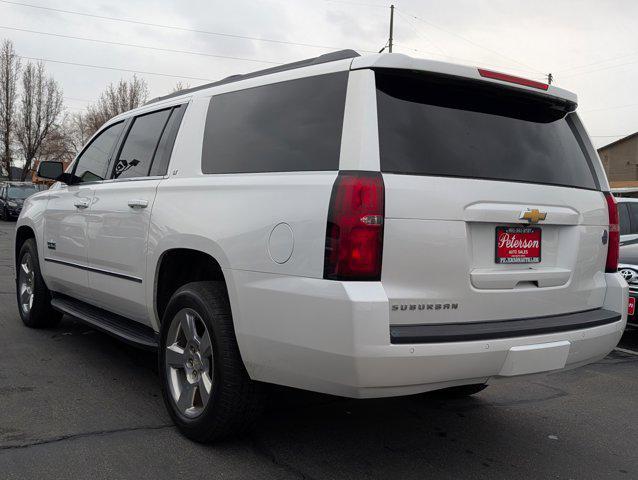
[26, 283]
[188, 363]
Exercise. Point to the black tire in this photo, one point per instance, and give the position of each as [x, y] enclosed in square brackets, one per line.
[235, 400]
[461, 391]
[41, 314]
[5, 214]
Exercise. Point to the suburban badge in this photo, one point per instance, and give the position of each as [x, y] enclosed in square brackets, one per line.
[411, 307]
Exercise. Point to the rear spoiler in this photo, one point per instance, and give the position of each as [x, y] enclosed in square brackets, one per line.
[405, 62]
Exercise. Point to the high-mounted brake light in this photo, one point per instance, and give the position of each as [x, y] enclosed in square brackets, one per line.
[354, 234]
[613, 249]
[512, 79]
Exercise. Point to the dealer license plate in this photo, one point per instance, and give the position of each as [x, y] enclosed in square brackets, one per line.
[518, 245]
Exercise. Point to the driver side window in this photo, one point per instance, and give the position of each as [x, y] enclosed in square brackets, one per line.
[93, 163]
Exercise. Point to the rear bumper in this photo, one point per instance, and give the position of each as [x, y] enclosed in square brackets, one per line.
[334, 337]
[524, 327]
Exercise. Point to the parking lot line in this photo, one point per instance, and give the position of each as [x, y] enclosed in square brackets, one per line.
[625, 350]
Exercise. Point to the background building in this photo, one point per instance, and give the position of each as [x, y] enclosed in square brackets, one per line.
[620, 159]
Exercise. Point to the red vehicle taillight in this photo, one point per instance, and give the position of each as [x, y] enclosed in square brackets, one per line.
[613, 250]
[354, 235]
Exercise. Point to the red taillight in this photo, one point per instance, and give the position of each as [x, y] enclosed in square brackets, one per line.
[512, 79]
[613, 249]
[354, 235]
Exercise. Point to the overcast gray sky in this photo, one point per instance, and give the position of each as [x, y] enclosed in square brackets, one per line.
[591, 46]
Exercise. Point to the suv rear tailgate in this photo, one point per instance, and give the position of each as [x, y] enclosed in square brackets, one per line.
[439, 262]
[471, 170]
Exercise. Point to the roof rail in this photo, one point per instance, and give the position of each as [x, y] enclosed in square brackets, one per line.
[328, 57]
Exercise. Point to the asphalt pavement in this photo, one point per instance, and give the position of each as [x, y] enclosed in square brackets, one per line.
[77, 404]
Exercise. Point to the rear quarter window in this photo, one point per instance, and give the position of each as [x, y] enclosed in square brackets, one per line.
[283, 127]
[432, 125]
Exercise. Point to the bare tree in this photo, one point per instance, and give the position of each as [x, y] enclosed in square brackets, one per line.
[117, 98]
[77, 130]
[179, 86]
[59, 146]
[9, 73]
[40, 111]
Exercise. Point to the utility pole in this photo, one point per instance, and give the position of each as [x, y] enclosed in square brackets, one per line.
[391, 27]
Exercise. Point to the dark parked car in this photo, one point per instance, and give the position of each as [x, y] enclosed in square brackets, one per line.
[12, 195]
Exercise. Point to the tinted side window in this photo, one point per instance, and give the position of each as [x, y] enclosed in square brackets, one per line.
[623, 215]
[633, 215]
[165, 147]
[288, 126]
[137, 152]
[93, 162]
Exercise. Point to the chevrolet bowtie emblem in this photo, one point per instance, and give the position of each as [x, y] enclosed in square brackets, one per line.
[533, 215]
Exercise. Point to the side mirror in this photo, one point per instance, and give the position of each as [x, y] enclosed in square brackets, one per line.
[51, 170]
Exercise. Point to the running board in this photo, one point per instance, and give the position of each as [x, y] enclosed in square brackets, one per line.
[120, 327]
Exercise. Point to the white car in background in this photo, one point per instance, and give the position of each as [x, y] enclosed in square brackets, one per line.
[364, 226]
[628, 217]
[628, 257]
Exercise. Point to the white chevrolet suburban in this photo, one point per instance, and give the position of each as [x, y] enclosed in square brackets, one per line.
[363, 226]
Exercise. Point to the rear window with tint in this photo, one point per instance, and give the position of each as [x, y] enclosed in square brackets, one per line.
[288, 126]
[435, 125]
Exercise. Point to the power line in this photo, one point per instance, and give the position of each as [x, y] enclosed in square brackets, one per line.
[420, 34]
[104, 67]
[578, 67]
[174, 27]
[472, 61]
[601, 69]
[615, 107]
[449, 32]
[361, 4]
[428, 52]
[122, 44]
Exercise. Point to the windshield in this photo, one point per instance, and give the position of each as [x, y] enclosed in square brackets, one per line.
[434, 125]
[21, 192]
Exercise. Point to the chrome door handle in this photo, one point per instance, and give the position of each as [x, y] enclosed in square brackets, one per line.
[81, 204]
[138, 203]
